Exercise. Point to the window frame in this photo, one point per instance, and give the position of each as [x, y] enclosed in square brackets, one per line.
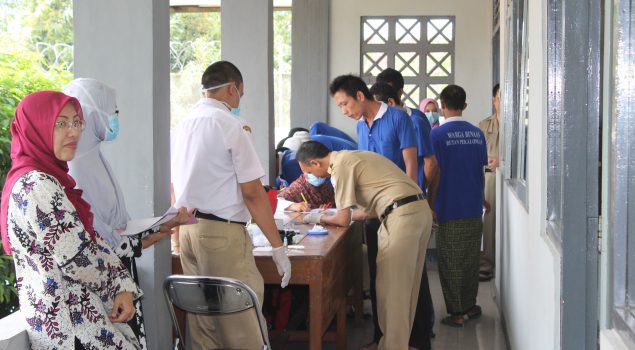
[391, 48]
[620, 162]
[514, 100]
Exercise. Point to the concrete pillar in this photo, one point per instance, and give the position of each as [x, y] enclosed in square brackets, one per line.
[247, 42]
[310, 55]
[126, 45]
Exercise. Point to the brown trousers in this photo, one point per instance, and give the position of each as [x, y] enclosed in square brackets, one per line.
[220, 249]
[403, 239]
[488, 258]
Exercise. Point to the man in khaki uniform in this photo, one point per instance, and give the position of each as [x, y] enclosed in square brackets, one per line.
[489, 126]
[378, 188]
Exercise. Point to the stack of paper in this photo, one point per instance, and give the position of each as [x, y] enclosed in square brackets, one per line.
[135, 227]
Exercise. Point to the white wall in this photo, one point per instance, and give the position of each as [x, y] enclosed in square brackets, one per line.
[528, 272]
[473, 46]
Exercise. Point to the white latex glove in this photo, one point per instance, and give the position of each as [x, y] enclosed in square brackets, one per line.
[283, 264]
[312, 218]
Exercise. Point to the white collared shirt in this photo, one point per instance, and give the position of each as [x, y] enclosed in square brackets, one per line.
[382, 110]
[213, 154]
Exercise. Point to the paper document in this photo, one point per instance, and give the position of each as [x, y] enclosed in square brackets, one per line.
[137, 226]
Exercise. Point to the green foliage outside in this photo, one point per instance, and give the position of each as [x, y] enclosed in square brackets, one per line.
[22, 25]
[20, 74]
[32, 31]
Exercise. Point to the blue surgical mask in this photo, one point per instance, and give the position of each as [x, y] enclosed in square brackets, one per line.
[433, 117]
[236, 110]
[314, 180]
[113, 127]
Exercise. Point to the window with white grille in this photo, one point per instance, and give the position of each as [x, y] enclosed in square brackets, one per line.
[420, 47]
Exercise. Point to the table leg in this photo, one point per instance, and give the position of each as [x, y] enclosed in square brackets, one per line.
[315, 315]
[358, 301]
[341, 327]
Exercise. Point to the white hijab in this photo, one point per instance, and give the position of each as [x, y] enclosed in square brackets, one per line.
[89, 167]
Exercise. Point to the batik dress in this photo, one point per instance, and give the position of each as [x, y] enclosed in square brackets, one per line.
[66, 280]
[129, 249]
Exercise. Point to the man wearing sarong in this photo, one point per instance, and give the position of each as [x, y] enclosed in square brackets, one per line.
[461, 152]
[378, 188]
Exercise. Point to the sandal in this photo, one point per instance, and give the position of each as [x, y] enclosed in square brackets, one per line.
[474, 313]
[453, 322]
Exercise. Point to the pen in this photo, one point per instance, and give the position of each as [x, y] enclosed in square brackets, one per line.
[304, 198]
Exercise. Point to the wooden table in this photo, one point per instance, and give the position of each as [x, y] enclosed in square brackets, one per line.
[330, 265]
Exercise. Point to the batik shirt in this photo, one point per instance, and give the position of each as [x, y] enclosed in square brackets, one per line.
[66, 280]
[315, 196]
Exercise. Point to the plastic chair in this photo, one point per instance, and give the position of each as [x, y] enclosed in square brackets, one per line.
[205, 295]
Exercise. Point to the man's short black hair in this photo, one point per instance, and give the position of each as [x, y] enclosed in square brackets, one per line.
[392, 77]
[311, 150]
[495, 90]
[279, 147]
[294, 130]
[221, 72]
[453, 97]
[383, 91]
[350, 84]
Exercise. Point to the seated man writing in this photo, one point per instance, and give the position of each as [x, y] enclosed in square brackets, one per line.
[309, 192]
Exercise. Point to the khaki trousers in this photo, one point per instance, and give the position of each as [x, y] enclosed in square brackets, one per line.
[214, 248]
[488, 258]
[403, 239]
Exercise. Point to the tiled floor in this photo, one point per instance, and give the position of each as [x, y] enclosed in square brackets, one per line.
[484, 333]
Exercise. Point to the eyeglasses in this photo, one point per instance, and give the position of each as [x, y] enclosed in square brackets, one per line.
[68, 125]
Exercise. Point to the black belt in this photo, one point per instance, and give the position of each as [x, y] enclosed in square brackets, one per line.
[403, 201]
[488, 170]
[207, 216]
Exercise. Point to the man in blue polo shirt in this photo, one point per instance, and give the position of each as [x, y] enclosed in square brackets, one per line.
[395, 79]
[461, 151]
[381, 129]
[424, 316]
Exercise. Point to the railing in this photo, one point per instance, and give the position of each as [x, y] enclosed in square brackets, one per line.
[13, 335]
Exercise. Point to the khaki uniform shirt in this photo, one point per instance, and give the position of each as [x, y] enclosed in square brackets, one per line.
[489, 126]
[368, 180]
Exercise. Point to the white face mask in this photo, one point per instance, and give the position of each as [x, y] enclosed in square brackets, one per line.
[203, 90]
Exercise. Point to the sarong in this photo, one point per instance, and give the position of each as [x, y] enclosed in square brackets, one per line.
[458, 251]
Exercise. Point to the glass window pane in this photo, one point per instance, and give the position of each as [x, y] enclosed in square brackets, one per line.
[439, 64]
[434, 90]
[439, 31]
[374, 63]
[408, 31]
[411, 95]
[407, 63]
[376, 31]
[194, 43]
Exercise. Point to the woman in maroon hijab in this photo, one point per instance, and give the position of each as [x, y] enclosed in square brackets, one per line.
[74, 292]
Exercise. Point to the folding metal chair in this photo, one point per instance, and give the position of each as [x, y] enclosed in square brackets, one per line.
[205, 295]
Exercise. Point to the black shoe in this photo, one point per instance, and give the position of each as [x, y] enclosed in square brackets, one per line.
[474, 313]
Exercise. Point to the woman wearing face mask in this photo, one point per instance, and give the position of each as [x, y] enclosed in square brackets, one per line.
[94, 176]
[309, 192]
[431, 109]
[74, 292]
